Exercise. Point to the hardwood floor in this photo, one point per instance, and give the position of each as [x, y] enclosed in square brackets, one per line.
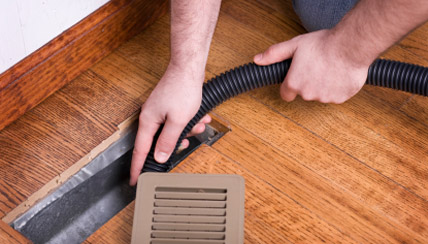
[10, 236]
[350, 173]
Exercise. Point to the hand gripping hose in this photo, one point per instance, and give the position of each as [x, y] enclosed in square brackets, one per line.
[385, 73]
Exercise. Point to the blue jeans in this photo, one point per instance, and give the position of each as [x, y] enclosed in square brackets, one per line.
[321, 14]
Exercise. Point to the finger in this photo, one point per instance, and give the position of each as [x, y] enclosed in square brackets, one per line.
[183, 145]
[197, 129]
[206, 119]
[276, 53]
[167, 140]
[288, 93]
[200, 126]
[143, 142]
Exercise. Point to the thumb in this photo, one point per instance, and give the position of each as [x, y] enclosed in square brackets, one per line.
[168, 138]
[276, 53]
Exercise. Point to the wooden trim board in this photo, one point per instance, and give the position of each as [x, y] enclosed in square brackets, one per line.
[29, 82]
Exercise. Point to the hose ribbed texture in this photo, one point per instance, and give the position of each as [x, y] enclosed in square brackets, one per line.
[386, 73]
[400, 76]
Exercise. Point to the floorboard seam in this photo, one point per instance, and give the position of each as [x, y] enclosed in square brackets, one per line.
[336, 147]
[282, 192]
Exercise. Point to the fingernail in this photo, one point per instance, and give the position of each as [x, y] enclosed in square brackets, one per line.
[258, 57]
[161, 157]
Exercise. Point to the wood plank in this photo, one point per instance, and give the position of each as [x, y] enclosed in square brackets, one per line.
[417, 42]
[351, 215]
[362, 128]
[9, 197]
[122, 72]
[278, 23]
[31, 158]
[417, 108]
[327, 160]
[10, 236]
[53, 70]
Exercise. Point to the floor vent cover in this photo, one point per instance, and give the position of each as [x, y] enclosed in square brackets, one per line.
[189, 208]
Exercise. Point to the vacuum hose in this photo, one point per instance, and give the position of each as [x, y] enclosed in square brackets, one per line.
[386, 73]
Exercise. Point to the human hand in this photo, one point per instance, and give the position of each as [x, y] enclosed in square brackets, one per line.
[173, 102]
[320, 70]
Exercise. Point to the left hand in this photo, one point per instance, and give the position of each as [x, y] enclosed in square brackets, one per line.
[319, 71]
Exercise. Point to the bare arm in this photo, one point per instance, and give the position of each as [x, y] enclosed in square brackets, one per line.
[177, 97]
[192, 27]
[373, 26]
[331, 66]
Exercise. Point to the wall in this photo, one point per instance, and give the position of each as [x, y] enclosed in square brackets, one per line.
[26, 25]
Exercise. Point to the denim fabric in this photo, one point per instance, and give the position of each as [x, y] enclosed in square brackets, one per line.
[321, 14]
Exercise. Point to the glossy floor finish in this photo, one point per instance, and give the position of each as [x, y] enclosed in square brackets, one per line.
[351, 173]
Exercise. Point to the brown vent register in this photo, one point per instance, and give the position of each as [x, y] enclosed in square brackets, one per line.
[189, 208]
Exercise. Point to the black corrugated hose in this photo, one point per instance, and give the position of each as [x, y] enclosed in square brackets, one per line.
[386, 73]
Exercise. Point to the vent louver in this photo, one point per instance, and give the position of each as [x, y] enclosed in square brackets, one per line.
[189, 208]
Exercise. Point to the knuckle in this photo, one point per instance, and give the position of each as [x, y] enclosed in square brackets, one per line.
[285, 96]
[177, 120]
[199, 128]
[307, 96]
[165, 145]
[291, 82]
[294, 86]
[139, 151]
[270, 51]
[144, 115]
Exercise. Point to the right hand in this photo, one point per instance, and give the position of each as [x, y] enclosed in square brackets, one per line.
[173, 102]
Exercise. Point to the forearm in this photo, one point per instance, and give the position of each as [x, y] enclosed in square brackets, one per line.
[375, 25]
[192, 26]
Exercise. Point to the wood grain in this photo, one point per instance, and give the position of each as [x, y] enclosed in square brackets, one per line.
[327, 160]
[416, 42]
[10, 236]
[417, 108]
[351, 173]
[362, 129]
[67, 56]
